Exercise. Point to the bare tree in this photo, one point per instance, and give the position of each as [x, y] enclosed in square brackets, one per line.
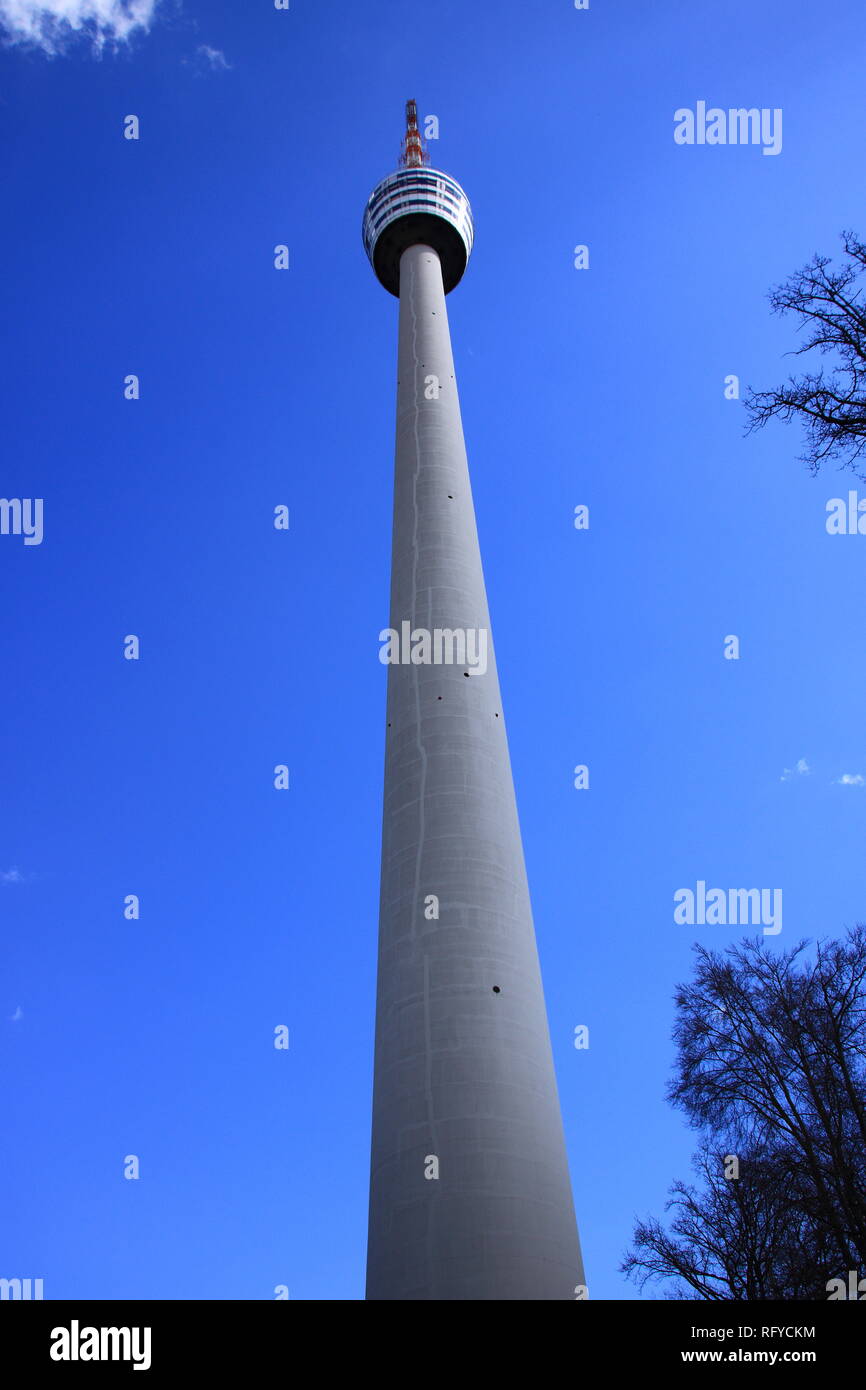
[771, 1068]
[735, 1237]
[830, 404]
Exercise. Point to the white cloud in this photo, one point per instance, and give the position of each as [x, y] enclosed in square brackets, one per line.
[50, 24]
[18, 1014]
[850, 779]
[801, 769]
[212, 58]
[11, 876]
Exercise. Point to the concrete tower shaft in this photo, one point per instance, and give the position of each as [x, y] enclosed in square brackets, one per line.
[470, 1196]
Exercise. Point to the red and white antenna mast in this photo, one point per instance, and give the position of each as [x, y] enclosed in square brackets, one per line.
[413, 153]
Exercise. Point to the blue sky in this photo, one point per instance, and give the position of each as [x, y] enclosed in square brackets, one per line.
[260, 387]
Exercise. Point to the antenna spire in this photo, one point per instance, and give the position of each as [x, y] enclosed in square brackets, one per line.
[413, 152]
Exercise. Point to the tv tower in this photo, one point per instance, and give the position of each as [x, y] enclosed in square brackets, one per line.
[470, 1196]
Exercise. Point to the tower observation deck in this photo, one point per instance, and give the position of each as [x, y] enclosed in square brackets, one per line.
[417, 205]
[470, 1195]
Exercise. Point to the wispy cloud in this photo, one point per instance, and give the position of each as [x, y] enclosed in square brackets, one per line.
[850, 779]
[212, 58]
[11, 876]
[18, 1014]
[800, 769]
[51, 24]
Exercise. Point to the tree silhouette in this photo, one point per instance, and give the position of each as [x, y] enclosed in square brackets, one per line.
[830, 404]
[771, 1068]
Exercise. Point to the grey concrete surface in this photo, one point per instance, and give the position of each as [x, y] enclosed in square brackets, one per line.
[463, 1069]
